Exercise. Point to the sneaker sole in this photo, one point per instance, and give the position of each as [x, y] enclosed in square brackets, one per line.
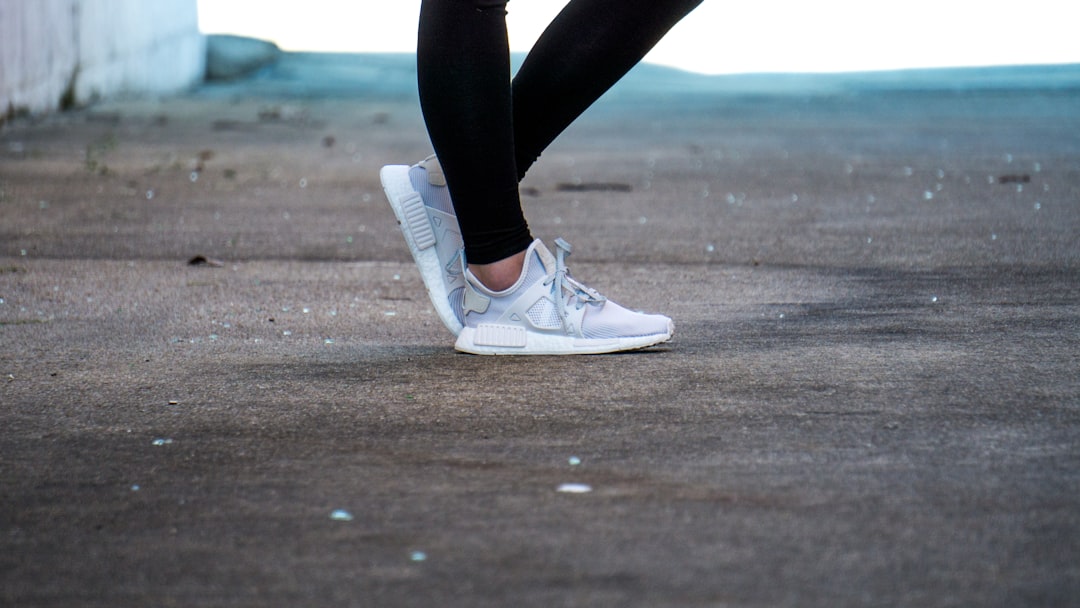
[412, 218]
[474, 341]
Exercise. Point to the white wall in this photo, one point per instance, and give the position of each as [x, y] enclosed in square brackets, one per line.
[106, 47]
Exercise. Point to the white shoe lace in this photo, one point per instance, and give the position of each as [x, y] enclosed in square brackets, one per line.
[561, 280]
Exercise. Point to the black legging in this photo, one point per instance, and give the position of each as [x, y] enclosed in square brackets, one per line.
[486, 130]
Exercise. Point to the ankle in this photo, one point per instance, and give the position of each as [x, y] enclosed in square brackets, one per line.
[500, 275]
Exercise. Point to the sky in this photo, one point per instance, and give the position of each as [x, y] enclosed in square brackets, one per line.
[720, 37]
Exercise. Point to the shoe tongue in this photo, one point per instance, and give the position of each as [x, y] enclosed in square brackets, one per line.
[543, 256]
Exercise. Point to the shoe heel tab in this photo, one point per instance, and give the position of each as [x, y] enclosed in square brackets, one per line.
[434, 171]
[473, 300]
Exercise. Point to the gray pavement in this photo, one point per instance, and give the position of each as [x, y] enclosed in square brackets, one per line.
[872, 397]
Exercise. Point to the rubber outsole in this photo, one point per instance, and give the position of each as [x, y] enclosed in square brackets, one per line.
[548, 344]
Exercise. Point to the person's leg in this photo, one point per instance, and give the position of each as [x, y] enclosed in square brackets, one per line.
[520, 299]
[474, 119]
[463, 73]
[589, 46]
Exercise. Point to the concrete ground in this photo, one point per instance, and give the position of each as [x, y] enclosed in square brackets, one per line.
[872, 397]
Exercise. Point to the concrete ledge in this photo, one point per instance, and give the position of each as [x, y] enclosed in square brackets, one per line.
[229, 57]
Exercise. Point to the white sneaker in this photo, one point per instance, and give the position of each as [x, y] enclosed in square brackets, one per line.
[548, 313]
[421, 202]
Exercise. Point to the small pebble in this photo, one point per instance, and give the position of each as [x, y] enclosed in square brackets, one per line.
[341, 515]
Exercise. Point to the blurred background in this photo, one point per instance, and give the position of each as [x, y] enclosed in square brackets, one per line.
[720, 37]
[57, 54]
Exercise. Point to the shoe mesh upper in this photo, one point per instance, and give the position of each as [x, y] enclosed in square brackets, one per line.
[456, 297]
[436, 197]
[609, 320]
[544, 314]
